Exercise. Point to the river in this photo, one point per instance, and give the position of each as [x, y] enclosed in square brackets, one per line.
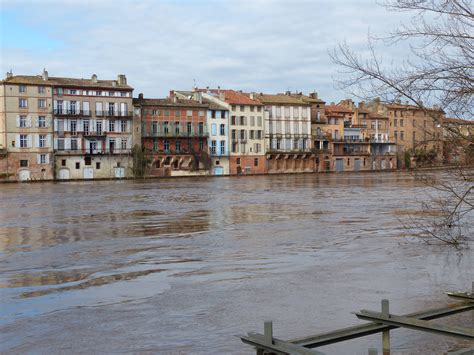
[183, 265]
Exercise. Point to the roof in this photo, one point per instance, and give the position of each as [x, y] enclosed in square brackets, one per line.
[378, 116]
[233, 97]
[282, 99]
[168, 102]
[211, 104]
[337, 108]
[397, 106]
[458, 121]
[309, 99]
[60, 81]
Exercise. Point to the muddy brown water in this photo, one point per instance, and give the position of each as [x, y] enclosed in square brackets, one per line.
[182, 266]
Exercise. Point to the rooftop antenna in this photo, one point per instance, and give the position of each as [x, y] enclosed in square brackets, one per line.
[194, 84]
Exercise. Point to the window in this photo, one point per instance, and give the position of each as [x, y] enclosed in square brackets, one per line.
[222, 129]
[189, 113]
[234, 134]
[278, 111]
[41, 103]
[259, 109]
[74, 144]
[401, 122]
[42, 140]
[165, 127]
[233, 108]
[60, 144]
[304, 112]
[242, 120]
[201, 113]
[414, 137]
[287, 127]
[372, 124]
[395, 121]
[395, 134]
[123, 126]
[99, 127]
[252, 120]
[176, 128]
[232, 120]
[213, 113]
[23, 163]
[88, 160]
[242, 134]
[259, 134]
[234, 147]
[78, 165]
[257, 147]
[237, 161]
[178, 146]
[201, 144]
[111, 126]
[41, 121]
[402, 135]
[242, 108]
[213, 147]
[41, 89]
[123, 94]
[42, 158]
[124, 143]
[97, 165]
[166, 146]
[255, 162]
[287, 112]
[259, 121]
[22, 121]
[177, 113]
[252, 134]
[154, 127]
[252, 108]
[86, 126]
[201, 129]
[296, 112]
[222, 147]
[189, 127]
[63, 162]
[73, 125]
[22, 88]
[414, 123]
[23, 103]
[155, 145]
[23, 141]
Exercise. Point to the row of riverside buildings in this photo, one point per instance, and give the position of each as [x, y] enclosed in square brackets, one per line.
[55, 128]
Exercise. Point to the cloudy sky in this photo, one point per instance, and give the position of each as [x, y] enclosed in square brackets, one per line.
[260, 45]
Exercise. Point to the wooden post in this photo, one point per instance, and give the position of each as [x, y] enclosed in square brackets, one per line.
[385, 333]
[268, 332]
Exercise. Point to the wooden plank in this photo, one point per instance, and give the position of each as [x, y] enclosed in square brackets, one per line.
[417, 324]
[373, 328]
[278, 346]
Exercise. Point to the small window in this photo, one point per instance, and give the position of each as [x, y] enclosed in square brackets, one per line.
[87, 161]
[238, 161]
[78, 165]
[242, 108]
[63, 162]
[97, 165]
[218, 162]
[255, 162]
[22, 88]
[23, 163]
[41, 89]
[119, 164]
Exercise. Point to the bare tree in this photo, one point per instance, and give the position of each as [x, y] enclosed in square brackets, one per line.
[439, 70]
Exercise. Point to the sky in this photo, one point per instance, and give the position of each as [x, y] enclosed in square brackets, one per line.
[261, 45]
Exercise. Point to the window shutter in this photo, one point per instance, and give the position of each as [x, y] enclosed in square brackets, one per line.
[78, 106]
[36, 122]
[38, 158]
[55, 104]
[47, 158]
[17, 141]
[55, 143]
[36, 140]
[67, 143]
[116, 108]
[29, 138]
[48, 140]
[18, 120]
[47, 122]
[55, 125]
[28, 121]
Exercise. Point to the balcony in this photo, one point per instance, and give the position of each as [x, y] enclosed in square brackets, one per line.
[114, 113]
[84, 151]
[350, 152]
[71, 112]
[94, 134]
[350, 140]
[289, 151]
[170, 133]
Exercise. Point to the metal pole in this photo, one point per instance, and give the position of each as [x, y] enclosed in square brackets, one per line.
[268, 332]
[385, 333]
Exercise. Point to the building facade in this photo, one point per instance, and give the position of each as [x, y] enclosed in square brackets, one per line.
[26, 128]
[93, 128]
[174, 136]
[288, 142]
[218, 123]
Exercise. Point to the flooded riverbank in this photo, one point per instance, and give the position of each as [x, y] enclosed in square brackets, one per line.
[181, 266]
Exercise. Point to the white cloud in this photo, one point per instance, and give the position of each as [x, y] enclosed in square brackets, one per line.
[162, 45]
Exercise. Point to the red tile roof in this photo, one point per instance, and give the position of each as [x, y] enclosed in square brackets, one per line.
[337, 109]
[233, 97]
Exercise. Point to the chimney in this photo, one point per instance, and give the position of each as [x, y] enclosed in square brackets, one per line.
[121, 79]
[219, 90]
[45, 74]
[175, 99]
[172, 93]
[288, 93]
[313, 95]
[362, 104]
[207, 89]
[198, 97]
[252, 95]
[222, 95]
[140, 96]
[9, 74]
[94, 79]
